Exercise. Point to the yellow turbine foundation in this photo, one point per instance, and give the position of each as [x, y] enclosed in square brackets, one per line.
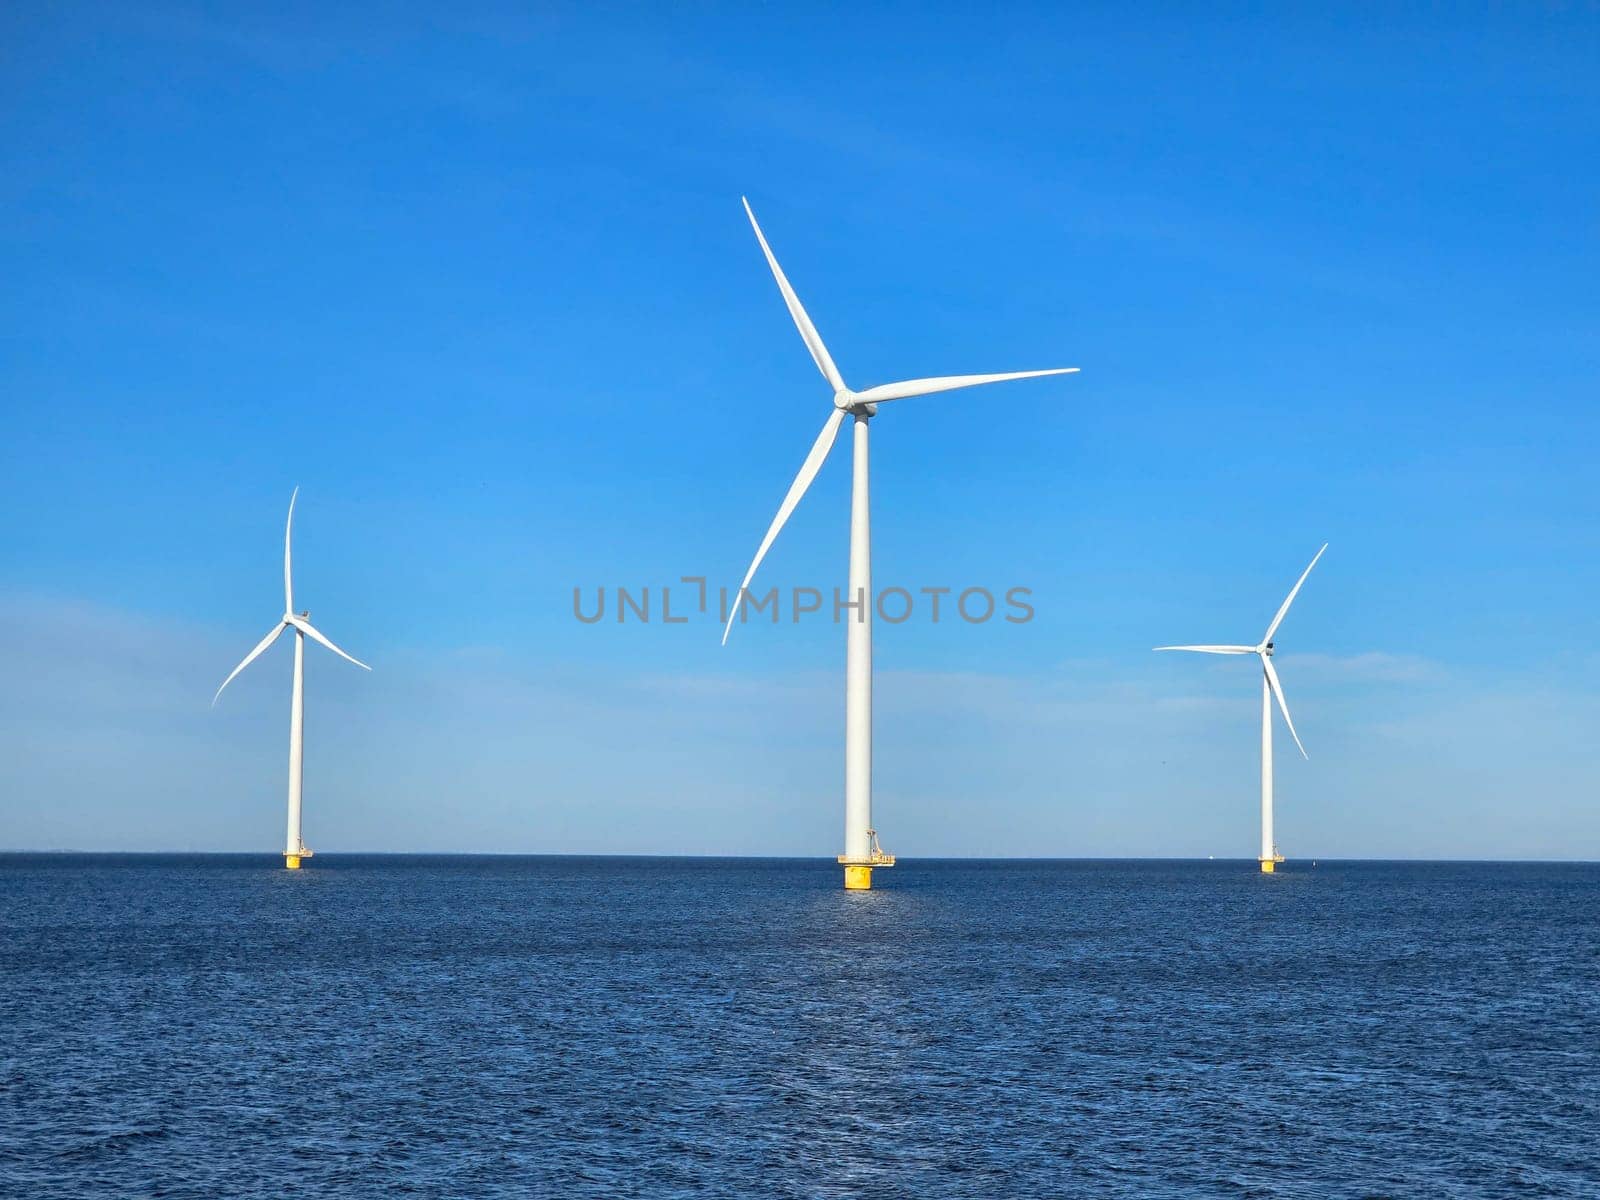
[1267, 866]
[291, 861]
[858, 871]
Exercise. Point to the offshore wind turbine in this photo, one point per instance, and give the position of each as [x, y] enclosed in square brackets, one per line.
[1270, 689]
[294, 849]
[861, 849]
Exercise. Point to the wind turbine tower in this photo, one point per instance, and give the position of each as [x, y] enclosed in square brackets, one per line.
[1270, 689]
[861, 850]
[294, 848]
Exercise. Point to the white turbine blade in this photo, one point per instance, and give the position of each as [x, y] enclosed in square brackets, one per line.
[945, 383]
[1283, 705]
[1213, 649]
[288, 572]
[305, 627]
[1293, 592]
[249, 658]
[808, 472]
[808, 331]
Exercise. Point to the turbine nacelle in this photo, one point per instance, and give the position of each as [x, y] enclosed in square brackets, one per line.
[847, 401]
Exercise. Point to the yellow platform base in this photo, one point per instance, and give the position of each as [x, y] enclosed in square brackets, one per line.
[857, 879]
[858, 871]
[292, 861]
[1267, 866]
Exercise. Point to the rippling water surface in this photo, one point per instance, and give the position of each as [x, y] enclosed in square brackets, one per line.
[215, 1026]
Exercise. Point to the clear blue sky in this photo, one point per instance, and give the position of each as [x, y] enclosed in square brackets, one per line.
[477, 280]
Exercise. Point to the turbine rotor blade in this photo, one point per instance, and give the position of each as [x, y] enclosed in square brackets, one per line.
[1213, 649]
[797, 489]
[288, 571]
[311, 631]
[808, 331]
[946, 383]
[250, 658]
[1283, 705]
[1289, 599]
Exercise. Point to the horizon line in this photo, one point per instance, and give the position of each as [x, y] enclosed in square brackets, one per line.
[828, 859]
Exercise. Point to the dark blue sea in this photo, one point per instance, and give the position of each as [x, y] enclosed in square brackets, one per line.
[197, 1026]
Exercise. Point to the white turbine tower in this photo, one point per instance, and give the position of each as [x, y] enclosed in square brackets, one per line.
[294, 849]
[861, 850]
[1270, 688]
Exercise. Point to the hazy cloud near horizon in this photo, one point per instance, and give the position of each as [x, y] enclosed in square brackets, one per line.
[108, 742]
